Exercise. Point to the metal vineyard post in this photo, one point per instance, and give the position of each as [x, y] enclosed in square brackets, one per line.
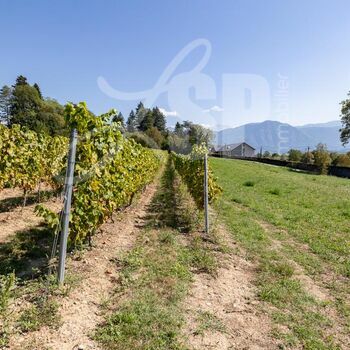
[67, 205]
[206, 204]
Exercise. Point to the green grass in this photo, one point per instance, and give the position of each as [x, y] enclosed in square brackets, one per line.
[146, 312]
[156, 276]
[303, 211]
[314, 209]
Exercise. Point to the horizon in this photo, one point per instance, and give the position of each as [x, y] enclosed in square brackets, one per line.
[270, 120]
[227, 64]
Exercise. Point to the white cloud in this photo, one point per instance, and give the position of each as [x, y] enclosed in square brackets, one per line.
[213, 109]
[208, 126]
[168, 113]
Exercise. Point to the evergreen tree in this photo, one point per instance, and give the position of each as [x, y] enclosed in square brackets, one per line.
[5, 104]
[147, 121]
[131, 122]
[20, 80]
[36, 86]
[140, 113]
[27, 108]
[25, 104]
[159, 119]
[178, 128]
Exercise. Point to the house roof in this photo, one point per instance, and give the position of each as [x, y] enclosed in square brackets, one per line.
[232, 146]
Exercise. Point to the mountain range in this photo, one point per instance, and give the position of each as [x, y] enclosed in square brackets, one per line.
[274, 136]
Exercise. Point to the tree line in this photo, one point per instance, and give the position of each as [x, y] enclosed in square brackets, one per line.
[320, 156]
[148, 126]
[24, 104]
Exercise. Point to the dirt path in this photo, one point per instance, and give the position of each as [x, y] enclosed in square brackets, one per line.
[231, 300]
[80, 310]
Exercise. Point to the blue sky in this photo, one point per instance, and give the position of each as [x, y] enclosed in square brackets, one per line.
[66, 45]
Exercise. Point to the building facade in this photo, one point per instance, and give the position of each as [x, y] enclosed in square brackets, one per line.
[241, 149]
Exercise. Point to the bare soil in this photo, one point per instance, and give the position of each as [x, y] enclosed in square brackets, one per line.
[231, 298]
[80, 311]
[14, 217]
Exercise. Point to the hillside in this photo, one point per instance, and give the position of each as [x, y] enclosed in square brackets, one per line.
[274, 136]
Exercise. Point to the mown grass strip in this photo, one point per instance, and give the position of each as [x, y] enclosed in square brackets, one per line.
[309, 216]
[300, 319]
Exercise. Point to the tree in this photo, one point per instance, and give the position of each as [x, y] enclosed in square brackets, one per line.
[342, 160]
[37, 88]
[159, 119]
[156, 135]
[294, 155]
[147, 121]
[131, 122]
[307, 158]
[119, 118]
[179, 144]
[28, 108]
[140, 113]
[345, 119]
[25, 103]
[198, 134]
[50, 118]
[283, 157]
[266, 154]
[20, 80]
[322, 158]
[5, 104]
[188, 134]
[179, 129]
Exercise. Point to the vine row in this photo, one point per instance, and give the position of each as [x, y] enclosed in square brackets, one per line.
[28, 159]
[191, 169]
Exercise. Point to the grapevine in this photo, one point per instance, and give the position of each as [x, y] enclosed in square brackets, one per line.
[109, 170]
[28, 159]
[191, 169]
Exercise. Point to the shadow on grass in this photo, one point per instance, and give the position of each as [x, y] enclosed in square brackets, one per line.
[168, 207]
[161, 212]
[26, 253]
[8, 204]
[306, 172]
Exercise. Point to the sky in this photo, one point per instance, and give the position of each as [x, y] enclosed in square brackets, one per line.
[220, 63]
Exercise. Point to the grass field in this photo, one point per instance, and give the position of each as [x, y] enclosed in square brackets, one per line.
[297, 226]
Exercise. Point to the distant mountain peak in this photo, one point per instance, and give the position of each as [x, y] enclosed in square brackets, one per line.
[271, 137]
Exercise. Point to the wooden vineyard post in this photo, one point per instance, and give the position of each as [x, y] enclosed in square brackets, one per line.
[68, 185]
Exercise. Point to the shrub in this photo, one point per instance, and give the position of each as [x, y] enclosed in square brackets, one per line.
[294, 155]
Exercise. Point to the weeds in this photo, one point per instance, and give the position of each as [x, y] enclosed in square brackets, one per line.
[208, 321]
[43, 313]
[7, 285]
